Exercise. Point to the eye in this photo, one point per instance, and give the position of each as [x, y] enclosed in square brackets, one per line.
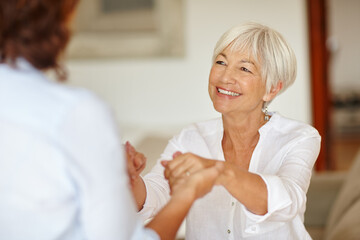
[220, 62]
[245, 69]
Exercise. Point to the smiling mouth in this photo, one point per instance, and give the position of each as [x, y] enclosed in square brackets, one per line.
[226, 92]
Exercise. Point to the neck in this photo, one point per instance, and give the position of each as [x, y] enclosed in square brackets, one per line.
[243, 130]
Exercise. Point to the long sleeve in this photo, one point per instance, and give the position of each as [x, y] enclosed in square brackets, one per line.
[157, 187]
[288, 187]
[90, 139]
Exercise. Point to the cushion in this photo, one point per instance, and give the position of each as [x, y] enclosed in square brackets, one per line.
[348, 226]
[347, 203]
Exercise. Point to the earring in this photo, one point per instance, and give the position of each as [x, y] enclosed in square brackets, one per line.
[267, 116]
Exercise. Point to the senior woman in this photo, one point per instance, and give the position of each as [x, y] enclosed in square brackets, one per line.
[267, 158]
[63, 173]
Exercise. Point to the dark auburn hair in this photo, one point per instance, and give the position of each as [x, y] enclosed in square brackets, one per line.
[36, 30]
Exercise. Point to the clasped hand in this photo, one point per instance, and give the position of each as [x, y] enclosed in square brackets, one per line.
[186, 166]
[187, 173]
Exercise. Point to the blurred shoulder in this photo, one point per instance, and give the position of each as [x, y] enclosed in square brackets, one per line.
[30, 98]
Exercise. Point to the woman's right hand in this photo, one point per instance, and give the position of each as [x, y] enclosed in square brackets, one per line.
[136, 162]
[196, 184]
[184, 165]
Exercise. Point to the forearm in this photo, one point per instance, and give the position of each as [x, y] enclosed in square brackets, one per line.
[248, 188]
[139, 192]
[167, 222]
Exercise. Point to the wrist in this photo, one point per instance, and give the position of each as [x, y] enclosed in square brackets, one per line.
[228, 174]
[185, 196]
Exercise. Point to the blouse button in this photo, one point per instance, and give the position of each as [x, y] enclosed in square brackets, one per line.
[232, 204]
[228, 231]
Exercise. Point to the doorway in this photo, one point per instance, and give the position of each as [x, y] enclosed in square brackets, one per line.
[335, 72]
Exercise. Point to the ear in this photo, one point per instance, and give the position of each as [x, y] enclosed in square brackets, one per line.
[273, 92]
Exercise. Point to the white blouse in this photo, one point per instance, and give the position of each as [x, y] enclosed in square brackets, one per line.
[284, 158]
[62, 167]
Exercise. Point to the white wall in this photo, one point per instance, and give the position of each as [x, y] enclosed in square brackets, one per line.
[162, 95]
[344, 32]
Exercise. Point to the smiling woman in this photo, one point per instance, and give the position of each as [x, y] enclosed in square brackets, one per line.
[267, 159]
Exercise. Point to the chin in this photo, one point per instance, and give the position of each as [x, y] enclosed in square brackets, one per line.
[220, 108]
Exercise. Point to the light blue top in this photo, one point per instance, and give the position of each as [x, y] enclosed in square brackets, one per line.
[62, 169]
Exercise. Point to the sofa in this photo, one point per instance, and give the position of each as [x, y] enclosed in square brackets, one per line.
[333, 204]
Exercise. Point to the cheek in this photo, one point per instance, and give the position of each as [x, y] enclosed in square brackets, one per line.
[211, 84]
[211, 76]
[256, 86]
[211, 90]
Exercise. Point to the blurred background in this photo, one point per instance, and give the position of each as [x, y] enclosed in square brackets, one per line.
[150, 61]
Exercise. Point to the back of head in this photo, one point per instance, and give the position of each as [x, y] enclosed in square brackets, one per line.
[36, 30]
[267, 47]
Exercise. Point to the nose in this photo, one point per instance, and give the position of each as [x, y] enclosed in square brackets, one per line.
[228, 76]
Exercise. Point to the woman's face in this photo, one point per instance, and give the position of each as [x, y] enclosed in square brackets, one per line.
[235, 84]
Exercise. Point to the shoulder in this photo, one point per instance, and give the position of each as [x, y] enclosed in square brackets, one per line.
[30, 99]
[31, 86]
[289, 129]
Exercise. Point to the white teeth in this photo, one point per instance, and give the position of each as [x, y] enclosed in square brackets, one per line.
[222, 91]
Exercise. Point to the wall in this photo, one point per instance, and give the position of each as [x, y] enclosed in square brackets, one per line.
[344, 32]
[162, 95]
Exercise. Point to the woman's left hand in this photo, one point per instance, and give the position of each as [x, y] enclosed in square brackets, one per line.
[184, 165]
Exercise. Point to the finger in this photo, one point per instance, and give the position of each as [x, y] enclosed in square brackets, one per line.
[178, 166]
[188, 163]
[176, 154]
[175, 183]
[128, 147]
[130, 155]
[177, 160]
[128, 144]
[204, 180]
[130, 172]
[139, 160]
[167, 173]
[164, 163]
[140, 169]
[184, 168]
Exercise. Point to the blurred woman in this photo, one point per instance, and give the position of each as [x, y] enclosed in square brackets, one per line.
[63, 174]
[267, 158]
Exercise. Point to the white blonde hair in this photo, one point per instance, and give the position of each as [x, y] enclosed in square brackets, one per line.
[267, 47]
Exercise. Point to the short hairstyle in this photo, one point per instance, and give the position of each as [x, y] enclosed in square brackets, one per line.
[267, 47]
[36, 30]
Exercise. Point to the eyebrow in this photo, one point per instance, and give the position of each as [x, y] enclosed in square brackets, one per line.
[247, 61]
[242, 60]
